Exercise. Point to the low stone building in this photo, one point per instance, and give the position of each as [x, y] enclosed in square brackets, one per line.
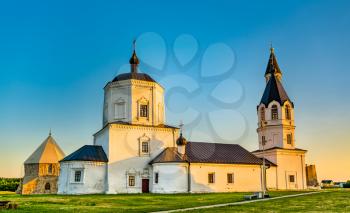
[42, 169]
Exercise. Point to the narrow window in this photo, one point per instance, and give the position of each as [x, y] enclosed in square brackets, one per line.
[49, 169]
[211, 178]
[131, 180]
[291, 178]
[145, 147]
[262, 114]
[156, 177]
[274, 112]
[229, 177]
[287, 110]
[77, 176]
[263, 140]
[47, 186]
[289, 138]
[143, 110]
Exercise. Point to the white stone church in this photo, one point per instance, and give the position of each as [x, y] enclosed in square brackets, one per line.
[136, 152]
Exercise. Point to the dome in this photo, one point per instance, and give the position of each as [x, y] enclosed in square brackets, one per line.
[134, 59]
[133, 75]
[181, 140]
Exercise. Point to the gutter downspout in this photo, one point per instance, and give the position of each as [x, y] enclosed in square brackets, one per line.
[189, 178]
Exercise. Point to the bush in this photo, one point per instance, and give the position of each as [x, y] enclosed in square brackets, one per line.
[9, 184]
[347, 185]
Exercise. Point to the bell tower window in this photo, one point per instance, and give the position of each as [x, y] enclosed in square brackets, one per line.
[287, 110]
[289, 138]
[274, 112]
[262, 114]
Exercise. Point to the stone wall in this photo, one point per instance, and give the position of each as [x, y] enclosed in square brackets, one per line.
[40, 179]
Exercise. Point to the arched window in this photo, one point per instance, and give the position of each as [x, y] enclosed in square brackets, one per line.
[262, 114]
[274, 112]
[287, 110]
[47, 186]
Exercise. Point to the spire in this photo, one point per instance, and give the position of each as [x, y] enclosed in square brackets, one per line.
[50, 132]
[272, 66]
[134, 61]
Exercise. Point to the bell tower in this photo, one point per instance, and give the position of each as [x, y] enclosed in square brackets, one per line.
[276, 133]
[275, 111]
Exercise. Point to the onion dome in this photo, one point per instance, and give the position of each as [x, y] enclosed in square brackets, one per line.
[134, 59]
[181, 141]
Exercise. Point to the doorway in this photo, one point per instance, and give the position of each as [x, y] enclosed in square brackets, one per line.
[145, 185]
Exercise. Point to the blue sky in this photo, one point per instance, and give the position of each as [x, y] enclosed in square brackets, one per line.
[56, 57]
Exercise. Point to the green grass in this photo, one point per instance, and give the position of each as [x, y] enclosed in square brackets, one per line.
[326, 201]
[122, 202]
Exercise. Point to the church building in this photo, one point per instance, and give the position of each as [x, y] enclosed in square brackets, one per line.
[137, 152]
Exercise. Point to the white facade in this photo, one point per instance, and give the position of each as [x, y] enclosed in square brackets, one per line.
[174, 178]
[92, 177]
[122, 144]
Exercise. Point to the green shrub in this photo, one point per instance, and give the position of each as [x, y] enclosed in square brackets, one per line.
[9, 184]
[347, 185]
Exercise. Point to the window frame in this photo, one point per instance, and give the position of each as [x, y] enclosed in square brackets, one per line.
[156, 177]
[230, 178]
[291, 178]
[211, 177]
[143, 110]
[145, 144]
[274, 112]
[73, 176]
[131, 180]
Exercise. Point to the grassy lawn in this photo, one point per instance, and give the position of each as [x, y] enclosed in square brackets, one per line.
[327, 201]
[123, 202]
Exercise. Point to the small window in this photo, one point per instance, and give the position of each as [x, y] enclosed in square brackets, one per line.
[47, 186]
[229, 177]
[262, 114]
[289, 138]
[49, 169]
[77, 176]
[131, 180]
[156, 177]
[263, 140]
[143, 110]
[291, 178]
[274, 112]
[211, 178]
[145, 147]
[287, 110]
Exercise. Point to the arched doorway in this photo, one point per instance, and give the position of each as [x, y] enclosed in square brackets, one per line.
[47, 187]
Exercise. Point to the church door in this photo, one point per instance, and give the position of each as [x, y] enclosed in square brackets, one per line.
[145, 185]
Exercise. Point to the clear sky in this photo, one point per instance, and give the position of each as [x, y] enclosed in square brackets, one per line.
[56, 57]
